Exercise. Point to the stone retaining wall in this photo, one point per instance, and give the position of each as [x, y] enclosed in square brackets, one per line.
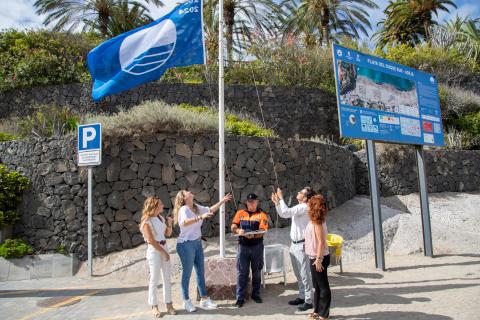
[455, 171]
[291, 111]
[54, 210]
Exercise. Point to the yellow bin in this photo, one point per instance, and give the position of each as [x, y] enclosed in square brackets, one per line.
[335, 243]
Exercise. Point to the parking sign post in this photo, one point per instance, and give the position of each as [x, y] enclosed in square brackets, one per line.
[89, 154]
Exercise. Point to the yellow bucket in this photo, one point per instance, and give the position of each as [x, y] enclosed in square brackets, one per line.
[335, 241]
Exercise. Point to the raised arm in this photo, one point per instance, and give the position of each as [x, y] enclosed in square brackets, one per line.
[217, 205]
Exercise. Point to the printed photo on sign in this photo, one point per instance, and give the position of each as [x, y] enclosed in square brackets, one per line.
[372, 89]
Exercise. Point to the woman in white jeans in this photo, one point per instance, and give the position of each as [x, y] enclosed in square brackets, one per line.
[154, 229]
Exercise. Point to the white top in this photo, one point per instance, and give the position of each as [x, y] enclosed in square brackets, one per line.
[299, 216]
[158, 227]
[194, 230]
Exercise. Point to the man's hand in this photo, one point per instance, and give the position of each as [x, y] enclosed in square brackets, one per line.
[279, 193]
[275, 199]
[240, 231]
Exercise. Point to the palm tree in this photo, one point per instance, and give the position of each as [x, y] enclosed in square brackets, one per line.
[242, 18]
[92, 14]
[463, 34]
[127, 17]
[416, 13]
[328, 19]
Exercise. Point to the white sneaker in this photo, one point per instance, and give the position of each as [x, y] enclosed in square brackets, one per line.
[207, 304]
[188, 306]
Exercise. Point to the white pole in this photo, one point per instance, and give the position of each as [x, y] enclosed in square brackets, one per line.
[89, 203]
[221, 129]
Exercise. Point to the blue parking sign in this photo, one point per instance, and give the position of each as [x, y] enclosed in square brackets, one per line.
[89, 144]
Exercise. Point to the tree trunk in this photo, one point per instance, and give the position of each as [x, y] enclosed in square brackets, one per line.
[229, 17]
[325, 25]
[103, 24]
[426, 26]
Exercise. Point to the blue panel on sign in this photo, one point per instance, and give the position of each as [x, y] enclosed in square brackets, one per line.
[89, 137]
[383, 100]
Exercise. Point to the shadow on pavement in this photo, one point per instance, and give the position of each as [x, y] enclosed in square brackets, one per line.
[392, 315]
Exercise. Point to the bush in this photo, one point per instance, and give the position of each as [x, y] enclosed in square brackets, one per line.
[469, 123]
[456, 102]
[449, 66]
[12, 185]
[48, 121]
[15, 248]
[154, 116]
[32, 58]
[458, 140]
[7, 137]
[233, 123]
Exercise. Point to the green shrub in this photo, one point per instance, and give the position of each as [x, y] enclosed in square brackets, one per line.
[61, 249]
[47, 121]
[7, 137]
[12, 185]
[358, 144]
[447, 65]
[459, 140]
[32, 58]
[469, 123]
[15, 248]
[233, 123]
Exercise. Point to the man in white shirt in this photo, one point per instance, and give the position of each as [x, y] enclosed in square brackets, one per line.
[300, 261]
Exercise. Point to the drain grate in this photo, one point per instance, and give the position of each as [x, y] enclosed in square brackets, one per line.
[56, 302]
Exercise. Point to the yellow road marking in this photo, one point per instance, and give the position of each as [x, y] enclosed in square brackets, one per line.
[58, 305]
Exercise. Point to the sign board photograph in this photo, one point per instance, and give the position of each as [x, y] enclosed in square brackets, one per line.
[384, 101]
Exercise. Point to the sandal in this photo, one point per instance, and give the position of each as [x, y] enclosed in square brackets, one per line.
[313, 316]
[170, 309]
[156, 312]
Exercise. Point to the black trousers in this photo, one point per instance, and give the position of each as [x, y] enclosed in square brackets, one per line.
[249, 257]
[323, 296]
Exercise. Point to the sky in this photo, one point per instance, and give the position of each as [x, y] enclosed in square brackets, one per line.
[20, 14]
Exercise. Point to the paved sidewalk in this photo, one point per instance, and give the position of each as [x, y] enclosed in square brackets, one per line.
[415, 287]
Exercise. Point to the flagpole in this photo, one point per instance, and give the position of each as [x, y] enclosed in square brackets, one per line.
[221, 129]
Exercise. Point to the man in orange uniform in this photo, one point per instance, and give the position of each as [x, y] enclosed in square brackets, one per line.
[250, 248]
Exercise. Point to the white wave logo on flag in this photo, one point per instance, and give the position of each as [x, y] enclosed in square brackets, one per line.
[148, 49]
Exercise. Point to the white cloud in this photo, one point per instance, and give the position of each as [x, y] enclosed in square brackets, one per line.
[19, 14]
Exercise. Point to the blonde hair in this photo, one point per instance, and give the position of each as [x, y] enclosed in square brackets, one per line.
[180, 202]
[149, 207]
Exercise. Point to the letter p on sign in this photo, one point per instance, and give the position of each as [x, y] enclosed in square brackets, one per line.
[89, 134]
[89, 144]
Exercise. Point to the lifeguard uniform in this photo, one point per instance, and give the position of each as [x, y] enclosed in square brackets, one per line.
[250, 251]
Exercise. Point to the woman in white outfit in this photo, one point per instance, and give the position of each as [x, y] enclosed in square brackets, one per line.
[154, 229]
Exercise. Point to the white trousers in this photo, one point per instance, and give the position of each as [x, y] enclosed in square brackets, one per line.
[158, 264]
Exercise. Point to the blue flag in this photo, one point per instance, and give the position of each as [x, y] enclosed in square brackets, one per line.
[144, 54]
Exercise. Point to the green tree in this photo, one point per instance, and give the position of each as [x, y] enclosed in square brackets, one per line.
[127, 16]
[92, 14]
[328, 19]
[241, 19]
[409, 21]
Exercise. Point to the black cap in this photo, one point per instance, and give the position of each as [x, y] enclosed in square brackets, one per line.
[252, 196]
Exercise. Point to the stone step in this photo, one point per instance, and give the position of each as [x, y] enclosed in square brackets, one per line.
[38, 267]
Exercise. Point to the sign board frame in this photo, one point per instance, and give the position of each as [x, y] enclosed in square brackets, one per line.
[89, 156]
[406, 104]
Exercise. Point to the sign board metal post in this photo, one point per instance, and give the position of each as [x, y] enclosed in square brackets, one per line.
[89, 154]
[90, 266]
[422, 188]
[376, 209]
